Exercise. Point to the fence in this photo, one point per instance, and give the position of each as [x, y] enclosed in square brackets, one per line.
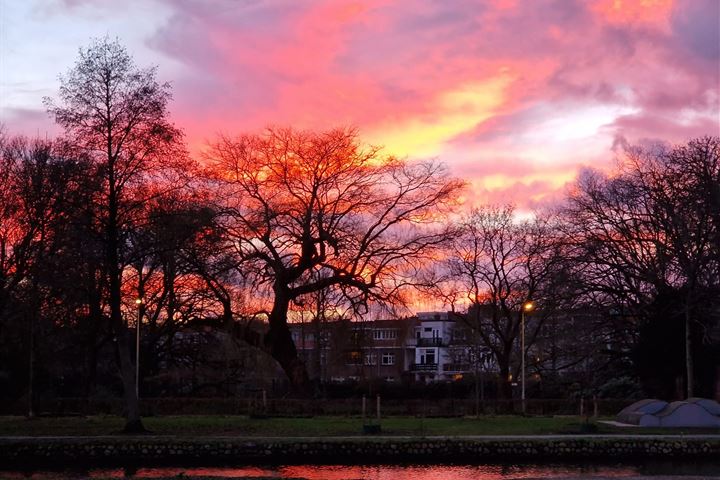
[311, 407]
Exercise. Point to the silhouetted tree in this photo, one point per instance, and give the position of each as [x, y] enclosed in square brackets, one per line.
[40, 183]
[163, 255]
[307, 211]
[116, 114]
[650, 231]
[497, 263]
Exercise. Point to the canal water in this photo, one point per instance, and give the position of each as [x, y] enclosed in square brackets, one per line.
[667, 470]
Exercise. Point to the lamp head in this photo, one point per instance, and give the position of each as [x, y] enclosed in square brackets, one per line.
[139, 301]
[528, 306]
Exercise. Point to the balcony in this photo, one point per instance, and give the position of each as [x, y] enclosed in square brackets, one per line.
[423, 367]
[429, 342]
[456, 367]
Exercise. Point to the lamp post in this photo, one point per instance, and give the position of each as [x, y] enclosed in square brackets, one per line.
[527, 306]
[138, 302]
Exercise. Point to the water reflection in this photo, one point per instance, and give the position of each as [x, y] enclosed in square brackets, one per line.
[381, 472]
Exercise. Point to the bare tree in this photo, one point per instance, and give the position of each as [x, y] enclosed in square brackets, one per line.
[15, 236]
[497, 264]
[683, 184]
[116, 114]
[38, 183]
[164, 275]
[650, 232]
[307, 211]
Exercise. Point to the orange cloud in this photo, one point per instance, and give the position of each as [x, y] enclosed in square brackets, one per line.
[634, 11]
[453, 112]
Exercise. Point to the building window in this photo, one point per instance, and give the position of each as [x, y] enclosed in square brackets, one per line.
[385, 334]
[388, 359]
[354, 357]
[427, 357]
[370, 359]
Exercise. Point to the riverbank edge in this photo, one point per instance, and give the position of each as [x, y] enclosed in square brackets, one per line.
[33, 452]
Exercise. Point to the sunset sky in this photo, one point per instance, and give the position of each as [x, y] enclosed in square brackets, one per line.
[514, 96]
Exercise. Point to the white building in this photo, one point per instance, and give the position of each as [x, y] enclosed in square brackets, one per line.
[440, 348]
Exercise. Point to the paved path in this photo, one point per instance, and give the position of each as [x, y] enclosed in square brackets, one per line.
[372, 437]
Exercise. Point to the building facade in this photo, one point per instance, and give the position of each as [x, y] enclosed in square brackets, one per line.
[432, 346]
[443, 346]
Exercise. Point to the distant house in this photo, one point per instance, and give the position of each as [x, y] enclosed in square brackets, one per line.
[344, 350]
[432, 346]
[427, 347]
[441, 351]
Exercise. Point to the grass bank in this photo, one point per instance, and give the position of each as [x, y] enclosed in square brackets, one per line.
[208, 425]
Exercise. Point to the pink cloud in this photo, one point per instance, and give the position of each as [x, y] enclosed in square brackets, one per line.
[567, 78]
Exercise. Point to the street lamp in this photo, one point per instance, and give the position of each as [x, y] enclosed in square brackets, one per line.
[527, 307]
[138, 302]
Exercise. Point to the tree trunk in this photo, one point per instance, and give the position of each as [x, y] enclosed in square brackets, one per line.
[278, 342]
[227, 314]
[477, 390]
[133, 423]
[94, 320]
[31, 367]
[504, 386]
[90, 365]
[690, 385]
[317, 350]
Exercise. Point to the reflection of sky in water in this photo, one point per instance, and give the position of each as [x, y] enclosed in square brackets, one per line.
[338, 472]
